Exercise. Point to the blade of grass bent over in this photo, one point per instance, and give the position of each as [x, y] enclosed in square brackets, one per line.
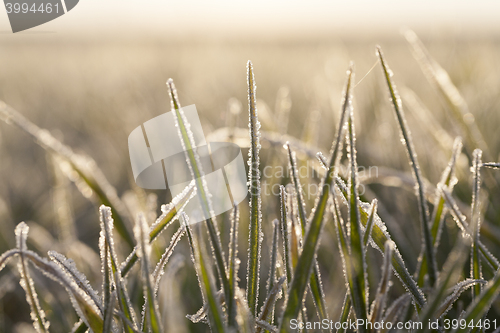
[40, 322]
[186, 137]
[311, 240]
[357, 281]
[82, 165]
[169, 214]
[422, 202]
[255, 238]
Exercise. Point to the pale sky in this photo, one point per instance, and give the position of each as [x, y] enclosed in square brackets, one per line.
[272, 18]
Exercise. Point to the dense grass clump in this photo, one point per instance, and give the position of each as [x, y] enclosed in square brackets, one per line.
[298, 246]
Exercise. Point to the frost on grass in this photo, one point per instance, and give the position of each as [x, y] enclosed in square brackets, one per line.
[40, 322]
[255, 233]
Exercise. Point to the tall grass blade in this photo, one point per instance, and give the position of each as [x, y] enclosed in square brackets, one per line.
[476, 272]
[449, 180]
[197, 174]
[206, 279]
[285, 230]
[233, 264]
[271, 282]
[78, 168]
[412, 155]
[315, 284]
[112, 273]
[378, 305]
[37, 314]
[306, 261]
[151, 312]
[357, 281]
[255, 237]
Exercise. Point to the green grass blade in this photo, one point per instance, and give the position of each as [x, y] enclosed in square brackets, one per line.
[344, 314]
[169, 215]
[306, 261]
[151, 312]
[379, 304]
[464, 227]
[206, 280]
[160, 266]
[108, 317]
[448, 179]
[315, 283]
[233, 264]
[357, 282]
[379, 236]
[412, 155]
[255, 239]
[37, 314]
[449, 276]
[268, 307]
[112, 270]
[197, 174]
[476, 272]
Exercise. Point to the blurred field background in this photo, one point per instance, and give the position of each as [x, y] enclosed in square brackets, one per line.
[91, 92]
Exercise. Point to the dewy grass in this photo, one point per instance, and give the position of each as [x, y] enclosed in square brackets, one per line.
[295, 258]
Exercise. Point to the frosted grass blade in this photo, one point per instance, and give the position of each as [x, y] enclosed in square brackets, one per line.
[150, 310]
[464, 227]
[452, 269]
[315, 284]
[357, 281]
[379, 236]
[344, 314]
[378, 305]
[482, 303]
[160, 266]
[255, 238]
[449, 180]
[268, 307]
[476, 272]
[457, 291]
[492, 165]
[81, 166]
[233, 264]
[112, 271]
[206, 279]
[306, 261]
[108, 317]
[37, 314]
[186, 137]
[412, 156]
[169, 215]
